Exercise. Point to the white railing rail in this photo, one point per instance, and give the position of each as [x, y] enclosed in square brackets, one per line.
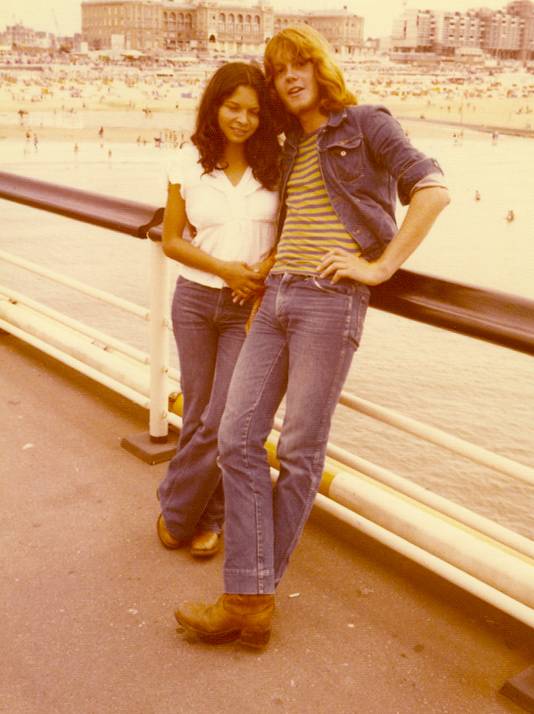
[436, 436]
[142, 312]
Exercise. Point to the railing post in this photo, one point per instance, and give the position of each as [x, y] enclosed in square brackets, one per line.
[157, 445]
[159, 343]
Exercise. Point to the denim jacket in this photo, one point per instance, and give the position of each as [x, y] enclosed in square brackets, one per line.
[365, 159]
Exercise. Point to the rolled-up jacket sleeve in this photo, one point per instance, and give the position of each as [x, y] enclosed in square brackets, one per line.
[391, 148]
[434, 180]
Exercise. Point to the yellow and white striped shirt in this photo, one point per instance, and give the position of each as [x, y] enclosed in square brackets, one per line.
[311, 227]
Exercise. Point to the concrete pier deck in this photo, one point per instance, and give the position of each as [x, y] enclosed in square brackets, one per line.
[87, 593]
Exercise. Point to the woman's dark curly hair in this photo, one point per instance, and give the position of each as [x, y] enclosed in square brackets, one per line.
[262, 149]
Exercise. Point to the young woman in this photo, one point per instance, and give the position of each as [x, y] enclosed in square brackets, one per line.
[220, 226]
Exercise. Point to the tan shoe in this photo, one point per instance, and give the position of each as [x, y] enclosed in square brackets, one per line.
[166, 539]
[246, 618]
[204, 544]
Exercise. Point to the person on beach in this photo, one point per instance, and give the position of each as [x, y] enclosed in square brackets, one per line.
[342, 166]
[222, 190]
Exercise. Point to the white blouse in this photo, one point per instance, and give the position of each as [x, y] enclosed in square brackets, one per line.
[235, 223]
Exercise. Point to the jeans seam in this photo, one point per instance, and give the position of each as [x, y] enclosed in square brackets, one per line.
[313, 486]
[260, 558]
[218, 310]
[359, 318]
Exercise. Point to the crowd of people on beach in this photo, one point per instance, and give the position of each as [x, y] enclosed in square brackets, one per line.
[438, 93]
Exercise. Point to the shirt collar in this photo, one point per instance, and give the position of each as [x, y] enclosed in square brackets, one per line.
[247, 185]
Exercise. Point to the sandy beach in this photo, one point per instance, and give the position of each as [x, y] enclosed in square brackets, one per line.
[113, 134]
[72, 103]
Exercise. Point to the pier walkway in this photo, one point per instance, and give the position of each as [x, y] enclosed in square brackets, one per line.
[87, 593]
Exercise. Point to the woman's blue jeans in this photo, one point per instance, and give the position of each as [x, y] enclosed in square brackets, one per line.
[209, 330]
[301, 344]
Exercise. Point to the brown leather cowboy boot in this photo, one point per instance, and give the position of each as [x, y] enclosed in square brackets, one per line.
[167, 540]
[205, 544]
[246, 618]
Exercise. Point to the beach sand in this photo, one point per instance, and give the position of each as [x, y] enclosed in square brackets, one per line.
[181, 121]
[72, 107]
[113, 134]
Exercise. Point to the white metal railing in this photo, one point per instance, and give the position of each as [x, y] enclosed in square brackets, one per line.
[159, 342]
[109, 298]
[440, 438]
[469, 550]
[60, 318]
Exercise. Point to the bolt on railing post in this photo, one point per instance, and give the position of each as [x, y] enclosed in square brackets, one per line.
[159, 343]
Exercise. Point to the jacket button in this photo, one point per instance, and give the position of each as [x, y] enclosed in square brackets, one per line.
[343, 153]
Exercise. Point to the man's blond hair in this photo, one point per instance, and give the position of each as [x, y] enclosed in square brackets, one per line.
[304, 43]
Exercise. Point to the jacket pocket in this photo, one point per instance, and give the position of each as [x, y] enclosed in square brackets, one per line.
[345, 157]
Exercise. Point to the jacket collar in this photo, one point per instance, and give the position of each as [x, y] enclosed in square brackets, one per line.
[334, 120]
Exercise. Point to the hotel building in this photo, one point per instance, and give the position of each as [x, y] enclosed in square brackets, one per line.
[207, 26]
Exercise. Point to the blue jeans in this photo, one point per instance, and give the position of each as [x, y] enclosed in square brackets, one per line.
[301, 344]
[209, 330]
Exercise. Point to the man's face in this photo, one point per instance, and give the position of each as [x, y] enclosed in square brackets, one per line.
[296, 85]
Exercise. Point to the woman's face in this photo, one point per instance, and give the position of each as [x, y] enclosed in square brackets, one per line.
[239, 115]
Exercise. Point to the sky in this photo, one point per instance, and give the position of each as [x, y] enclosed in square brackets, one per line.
[64, 16]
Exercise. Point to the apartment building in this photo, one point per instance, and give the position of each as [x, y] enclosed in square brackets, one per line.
[525, 10]
[458, 30]
[505, 34]
[19, 35]
[414, 31]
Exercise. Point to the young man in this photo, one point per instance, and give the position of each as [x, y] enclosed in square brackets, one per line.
[342, 167]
